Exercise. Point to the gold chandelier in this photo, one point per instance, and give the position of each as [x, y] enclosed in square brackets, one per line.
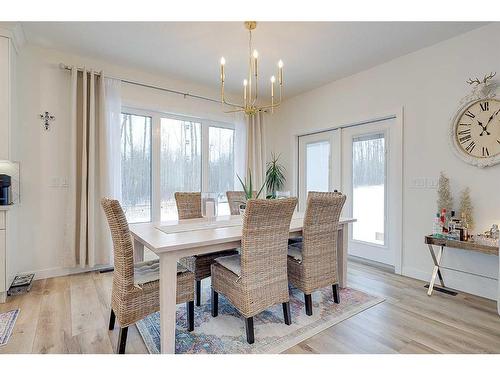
[250, 84]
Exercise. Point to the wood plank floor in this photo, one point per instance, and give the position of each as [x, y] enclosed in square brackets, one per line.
[69, 315]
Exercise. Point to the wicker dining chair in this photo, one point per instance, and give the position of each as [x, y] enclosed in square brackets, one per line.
[189, 207]
[257, 278]
[235, 199]
[312, 263]
[135, 291]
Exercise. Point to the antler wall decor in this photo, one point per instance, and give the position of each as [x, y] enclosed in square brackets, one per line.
[486, 78]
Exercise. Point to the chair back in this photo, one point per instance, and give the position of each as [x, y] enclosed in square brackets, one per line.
[264, 243]
[235, 198]
[188, 205]
[123, 247]
[320, 230]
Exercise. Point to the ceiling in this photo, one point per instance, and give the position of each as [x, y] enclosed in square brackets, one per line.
[314, 53]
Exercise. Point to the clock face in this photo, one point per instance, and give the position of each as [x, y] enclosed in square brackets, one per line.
[477, 130]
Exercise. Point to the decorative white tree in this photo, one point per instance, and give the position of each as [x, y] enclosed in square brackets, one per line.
[466, 207]
[445, 200]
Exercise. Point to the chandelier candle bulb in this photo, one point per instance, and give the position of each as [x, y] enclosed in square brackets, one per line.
[255, 57]
[280, 72]
[245, 84]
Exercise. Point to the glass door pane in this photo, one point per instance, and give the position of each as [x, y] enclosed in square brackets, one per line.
[318, 166]
[180, 162]
[368, 186]
[136, 167]
[221, 165]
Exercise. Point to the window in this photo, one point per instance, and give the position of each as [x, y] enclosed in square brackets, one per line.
[318, 166]
[173, 153]
[136, 167]
[180, 162]
[368, 174]
[221, 164]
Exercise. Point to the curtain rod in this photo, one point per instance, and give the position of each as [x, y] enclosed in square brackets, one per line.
[185, 94]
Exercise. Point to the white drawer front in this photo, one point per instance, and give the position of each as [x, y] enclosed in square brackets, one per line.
[2, 219]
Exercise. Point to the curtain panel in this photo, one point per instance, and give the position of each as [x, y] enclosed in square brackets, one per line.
[256, 148]
[94, 167]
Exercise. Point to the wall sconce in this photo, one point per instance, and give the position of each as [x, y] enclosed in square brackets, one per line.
[46, 117]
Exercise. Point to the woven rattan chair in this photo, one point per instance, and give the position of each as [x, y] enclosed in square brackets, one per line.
[234, 199]
[257, 279]
[135, 292]
[189, 207]
[312, 264]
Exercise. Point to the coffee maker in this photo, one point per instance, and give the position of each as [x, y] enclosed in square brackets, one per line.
[5, 190]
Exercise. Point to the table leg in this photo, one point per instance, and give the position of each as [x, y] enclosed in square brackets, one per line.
[168, 292]
[436, 271]
[138, 251]
[342, 242]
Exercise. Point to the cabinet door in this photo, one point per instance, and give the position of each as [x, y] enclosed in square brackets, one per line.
[4, 98]
[2, 261]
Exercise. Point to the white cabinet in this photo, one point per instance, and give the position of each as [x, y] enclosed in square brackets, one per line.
[3, 260]
[5, 96]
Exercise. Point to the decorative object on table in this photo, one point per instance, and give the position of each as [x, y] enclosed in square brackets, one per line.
[466, 209]
[475, 127]
[275, 176]
[485, 239]
[21, 284]
[226, 334]
[7, 322]
[250, 88]
[47, 117]
[445, 199]
[209, 204]
[248, 190]
[494, 232]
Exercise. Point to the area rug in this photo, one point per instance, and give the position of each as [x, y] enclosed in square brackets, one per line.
[7, 322]
[226, 333]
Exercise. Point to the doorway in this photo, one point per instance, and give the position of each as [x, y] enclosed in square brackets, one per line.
[364, 161]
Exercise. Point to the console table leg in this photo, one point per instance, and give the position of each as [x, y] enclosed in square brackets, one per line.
[436, 271]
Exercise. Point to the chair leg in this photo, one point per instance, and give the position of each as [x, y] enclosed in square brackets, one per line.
[122, 340]
[249, 329]
[197, 290]
[190, 315]
[309, 304]
[286, 313]
[336, 294]
[215, 303]
[112, 318]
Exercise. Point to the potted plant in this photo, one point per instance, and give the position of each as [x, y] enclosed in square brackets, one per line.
[248, 189]
[275, 176]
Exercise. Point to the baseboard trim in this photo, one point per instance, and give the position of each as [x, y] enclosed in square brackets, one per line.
[371, 263]
[468, 283]
[64, 271]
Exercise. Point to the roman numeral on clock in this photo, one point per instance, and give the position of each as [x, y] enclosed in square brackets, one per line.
[465, 138]
[471, 146]
[470, 114]
[462, 124]
[485, 106]
[463, 132]
[485, 151]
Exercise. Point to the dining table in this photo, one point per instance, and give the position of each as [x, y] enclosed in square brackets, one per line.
[176, 239]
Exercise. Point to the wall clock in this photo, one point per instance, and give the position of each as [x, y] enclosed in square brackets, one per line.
[475, 128]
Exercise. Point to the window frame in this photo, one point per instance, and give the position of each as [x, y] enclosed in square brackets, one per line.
[156, 117]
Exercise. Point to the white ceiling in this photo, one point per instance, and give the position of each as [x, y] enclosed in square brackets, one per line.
[314, 53]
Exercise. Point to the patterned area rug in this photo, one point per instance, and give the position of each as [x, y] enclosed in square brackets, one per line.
[7, 322]
[226, 333]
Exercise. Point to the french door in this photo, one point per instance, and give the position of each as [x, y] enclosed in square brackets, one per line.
[319, 164]
[364, 162]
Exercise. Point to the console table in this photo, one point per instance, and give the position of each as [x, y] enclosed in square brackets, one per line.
[432, 241]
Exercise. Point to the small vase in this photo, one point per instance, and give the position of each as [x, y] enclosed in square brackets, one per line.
[242, 208]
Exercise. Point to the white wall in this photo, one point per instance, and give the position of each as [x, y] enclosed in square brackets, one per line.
[43, 86]
[428, 84]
